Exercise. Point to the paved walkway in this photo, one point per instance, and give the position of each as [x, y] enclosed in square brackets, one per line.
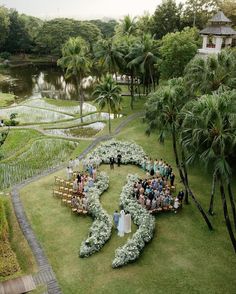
[46, 276]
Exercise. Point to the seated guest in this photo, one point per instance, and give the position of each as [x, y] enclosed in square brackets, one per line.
[85, 203]
[75, 185]
[74, 202]
[141, 199]
[154, 204]
[90, 182]
[148, 203]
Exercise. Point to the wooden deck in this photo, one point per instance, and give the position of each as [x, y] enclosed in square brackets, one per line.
[17, 286]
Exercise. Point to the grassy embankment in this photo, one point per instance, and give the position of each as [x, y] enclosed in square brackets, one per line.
[183, 257]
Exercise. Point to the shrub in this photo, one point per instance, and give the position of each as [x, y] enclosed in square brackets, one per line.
[4, 229]
[5, 55]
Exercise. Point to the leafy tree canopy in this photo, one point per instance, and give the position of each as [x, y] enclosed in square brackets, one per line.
[176, 50]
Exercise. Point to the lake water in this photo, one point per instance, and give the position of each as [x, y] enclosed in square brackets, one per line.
[37, 82]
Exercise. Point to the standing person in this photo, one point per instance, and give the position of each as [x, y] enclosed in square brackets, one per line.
[112, 161]
[119, 159]
[181, 197]
[71, 163]
[121, 224]
[172, 179]
[94, 173]
[69, 173]
[116, 216]
[127, 224]
[176, 204]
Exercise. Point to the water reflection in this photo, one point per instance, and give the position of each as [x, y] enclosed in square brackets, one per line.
[37, 82]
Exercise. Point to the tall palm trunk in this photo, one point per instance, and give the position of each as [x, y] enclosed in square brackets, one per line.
[151, 77]
[185, 177]
[109, 117]
[232, 201]
[79, 92]
[226, 216]
[132, 90]
[213, 186]
[184, 182]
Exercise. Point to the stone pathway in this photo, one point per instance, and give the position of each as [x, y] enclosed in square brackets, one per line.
[46, 276]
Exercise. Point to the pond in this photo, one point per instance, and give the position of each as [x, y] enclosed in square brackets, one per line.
[33, 81]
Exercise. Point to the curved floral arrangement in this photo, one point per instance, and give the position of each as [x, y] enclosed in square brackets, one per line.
[130, 152]
[100, 231]
[141, 217]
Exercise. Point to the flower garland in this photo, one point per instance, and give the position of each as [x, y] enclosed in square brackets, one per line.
[131, 153]
[141, 217]
[100, 231]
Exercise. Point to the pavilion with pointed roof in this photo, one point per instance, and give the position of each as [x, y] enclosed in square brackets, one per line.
[217, 35]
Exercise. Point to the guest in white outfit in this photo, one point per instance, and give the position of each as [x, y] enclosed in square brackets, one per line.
[121, 224]
[127, 223]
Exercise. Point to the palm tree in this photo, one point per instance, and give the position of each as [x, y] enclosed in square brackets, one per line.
[145, 58]
[108, 95]
[109, 55]
[203, 76]
[127, 26]
[77, 64]
[163, 110]
[208, 133]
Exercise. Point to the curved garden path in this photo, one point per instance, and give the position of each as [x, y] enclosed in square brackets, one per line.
[45, 275]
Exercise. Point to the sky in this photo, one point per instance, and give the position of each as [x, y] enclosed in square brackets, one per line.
[82, 9]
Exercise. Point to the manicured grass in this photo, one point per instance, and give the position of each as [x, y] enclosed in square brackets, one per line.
[183, 257]
[6, 99]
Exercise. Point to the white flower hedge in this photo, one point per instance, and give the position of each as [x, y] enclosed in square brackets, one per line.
[131, 153]
[100, 231]
[142, 218]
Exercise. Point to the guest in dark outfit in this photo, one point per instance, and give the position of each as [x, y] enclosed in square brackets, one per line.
[112, 161]
[119, 159]
[172, 179]
[181, 196]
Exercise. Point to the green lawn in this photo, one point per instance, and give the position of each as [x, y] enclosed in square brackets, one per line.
[6, 99]
[183, 257]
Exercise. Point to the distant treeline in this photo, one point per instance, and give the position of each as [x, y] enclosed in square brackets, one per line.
[21, 33]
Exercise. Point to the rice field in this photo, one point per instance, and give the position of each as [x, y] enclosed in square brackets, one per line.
[41, 155]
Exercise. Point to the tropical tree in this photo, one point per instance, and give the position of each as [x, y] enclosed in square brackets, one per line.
[109, 54]
[198, 12]
[203, 76]
[145, 59]
[208, 134]
[4, 25]
[76, 62]
[163, 114]
[166, 18]
[108, 95]
[176, 50]
[127, 26]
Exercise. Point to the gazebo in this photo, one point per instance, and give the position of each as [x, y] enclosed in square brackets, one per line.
[217, 35]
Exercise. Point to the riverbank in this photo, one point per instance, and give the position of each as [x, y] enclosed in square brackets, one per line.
[25, 60]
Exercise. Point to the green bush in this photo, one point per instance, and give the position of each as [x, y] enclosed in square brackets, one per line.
[5, 55]
[11, 122]
[8, 261]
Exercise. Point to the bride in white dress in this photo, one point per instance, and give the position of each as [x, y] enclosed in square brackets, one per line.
[121, 224]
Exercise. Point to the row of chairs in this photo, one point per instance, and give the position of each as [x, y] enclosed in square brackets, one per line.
[66, 199]
[63, 183]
